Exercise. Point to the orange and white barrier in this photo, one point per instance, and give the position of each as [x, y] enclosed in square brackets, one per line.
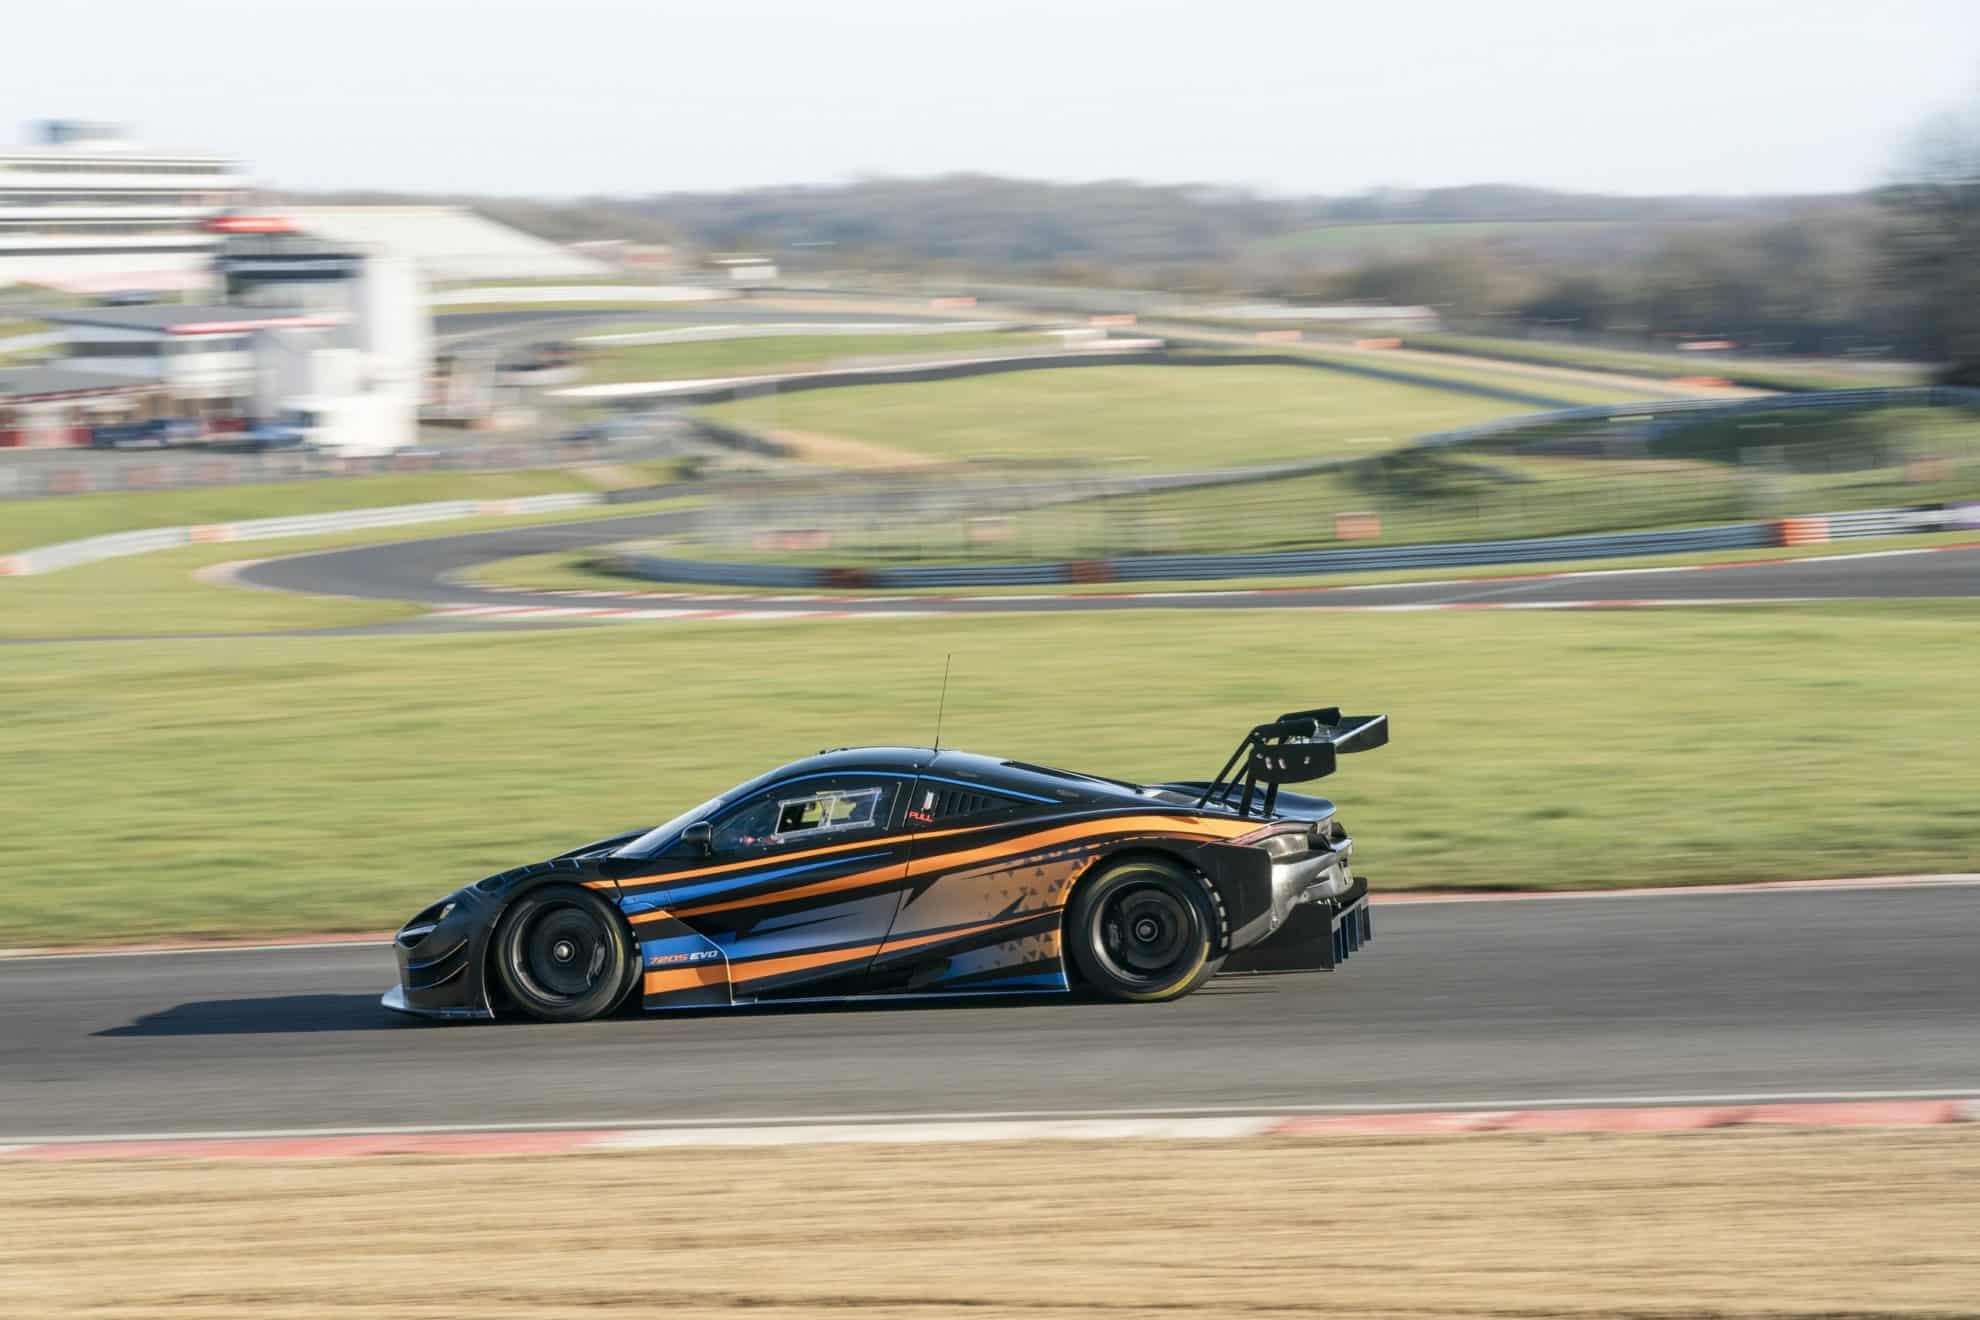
[1802, 531]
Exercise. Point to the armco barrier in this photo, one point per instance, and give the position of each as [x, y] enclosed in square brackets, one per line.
[1150, 568]
[68, 554]
[53, 473]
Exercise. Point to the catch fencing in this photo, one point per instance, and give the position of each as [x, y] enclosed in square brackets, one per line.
[1928, 396]
[1598, 470]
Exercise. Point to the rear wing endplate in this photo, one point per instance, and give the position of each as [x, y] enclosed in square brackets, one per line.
[1306, 744]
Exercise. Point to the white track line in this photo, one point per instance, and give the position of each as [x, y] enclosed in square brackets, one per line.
[1951, 881]
[945, 1131]
[9, 957]
[1226, 1112]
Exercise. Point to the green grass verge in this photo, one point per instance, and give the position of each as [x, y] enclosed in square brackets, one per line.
[1756, 373]
[760, 354]
[25, 523]
[17, 356]
[584, 570]
[270, 785]
[1160, 416]
[157, 594]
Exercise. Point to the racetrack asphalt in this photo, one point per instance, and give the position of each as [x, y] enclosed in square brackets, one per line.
[1526, 1002]
[423, 570]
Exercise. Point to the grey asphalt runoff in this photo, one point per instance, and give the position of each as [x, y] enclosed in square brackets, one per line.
[419, 571]
[1806, 993]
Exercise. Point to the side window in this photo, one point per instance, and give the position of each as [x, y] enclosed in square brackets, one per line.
[779, 818]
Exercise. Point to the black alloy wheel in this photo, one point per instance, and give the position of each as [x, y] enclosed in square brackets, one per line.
[563, 955]
[1144, 929]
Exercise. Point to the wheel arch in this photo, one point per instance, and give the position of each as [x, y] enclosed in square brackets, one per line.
[1176, 852]
[493, 996]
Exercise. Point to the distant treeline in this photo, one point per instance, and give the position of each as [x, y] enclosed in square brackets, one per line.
[1888, 272]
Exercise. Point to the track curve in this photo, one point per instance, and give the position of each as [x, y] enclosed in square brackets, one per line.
[1693, 995]
[425, 571]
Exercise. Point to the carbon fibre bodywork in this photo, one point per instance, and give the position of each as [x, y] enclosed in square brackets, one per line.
[950, 874]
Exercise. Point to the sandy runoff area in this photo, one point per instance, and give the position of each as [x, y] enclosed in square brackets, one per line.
[1694, 1224]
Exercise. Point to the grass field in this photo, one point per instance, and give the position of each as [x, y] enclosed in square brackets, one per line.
[25, 523]
[1759, 373]
[1736, 1225]
[257, 786]
[1157, 416]
[770, 353]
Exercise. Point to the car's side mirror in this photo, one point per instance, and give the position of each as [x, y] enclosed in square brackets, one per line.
[700, 836]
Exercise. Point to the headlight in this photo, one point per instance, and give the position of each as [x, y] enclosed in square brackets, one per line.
[422, 925]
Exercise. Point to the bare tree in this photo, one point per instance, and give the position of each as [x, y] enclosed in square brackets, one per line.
[1933, 253]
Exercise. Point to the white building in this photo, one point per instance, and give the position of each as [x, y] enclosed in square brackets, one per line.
[87, 209]
[364, 375]
[202, 359]
[447, 244]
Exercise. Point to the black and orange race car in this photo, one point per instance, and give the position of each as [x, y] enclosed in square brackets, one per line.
[898, 871]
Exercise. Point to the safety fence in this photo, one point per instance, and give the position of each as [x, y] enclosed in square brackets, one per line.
[1812, 529]
[1602, 470]
[89, 550]
[1928, 396]
[88, 472]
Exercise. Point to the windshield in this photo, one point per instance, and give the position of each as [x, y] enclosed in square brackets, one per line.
[651, 842]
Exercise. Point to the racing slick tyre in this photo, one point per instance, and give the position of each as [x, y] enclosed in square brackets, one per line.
[563, 955]
[1143, 930]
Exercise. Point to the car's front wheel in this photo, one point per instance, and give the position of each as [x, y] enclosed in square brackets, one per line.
[563, 955]
[1144, 929]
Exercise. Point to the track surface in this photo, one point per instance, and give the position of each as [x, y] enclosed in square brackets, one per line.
[417, 571]
[1518, 1002]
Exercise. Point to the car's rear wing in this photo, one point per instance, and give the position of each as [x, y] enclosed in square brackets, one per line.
[1306, 744]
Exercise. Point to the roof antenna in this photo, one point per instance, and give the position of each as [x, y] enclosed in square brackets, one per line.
[942, 704]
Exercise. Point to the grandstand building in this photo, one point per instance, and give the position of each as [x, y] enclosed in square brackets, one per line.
[88, 210]
[446, 244]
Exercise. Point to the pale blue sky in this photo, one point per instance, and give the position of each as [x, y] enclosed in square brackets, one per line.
[630, 97]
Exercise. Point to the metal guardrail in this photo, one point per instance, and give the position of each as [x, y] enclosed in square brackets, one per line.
[54, 473]
[89, 550]
[1149, 568]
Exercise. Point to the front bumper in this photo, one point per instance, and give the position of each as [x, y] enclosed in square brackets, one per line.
[440, 961]
[395, 999]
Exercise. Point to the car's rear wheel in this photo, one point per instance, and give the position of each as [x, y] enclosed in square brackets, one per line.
[1144, 929]
[563, 955]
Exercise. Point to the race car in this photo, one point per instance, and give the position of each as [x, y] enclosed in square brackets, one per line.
[903, 871]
